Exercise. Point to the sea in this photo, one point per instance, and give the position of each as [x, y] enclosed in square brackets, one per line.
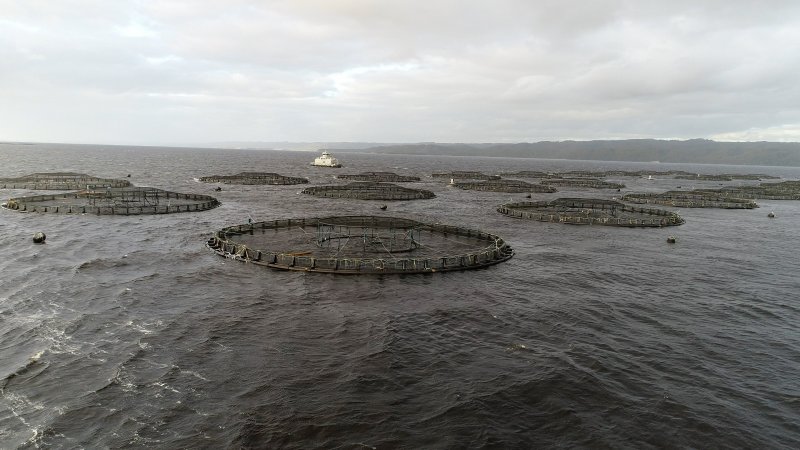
[128, 332]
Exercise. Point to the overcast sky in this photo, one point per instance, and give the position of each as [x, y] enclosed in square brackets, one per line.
[156, 72]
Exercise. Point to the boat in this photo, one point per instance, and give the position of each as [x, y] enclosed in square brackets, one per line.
[326, 160]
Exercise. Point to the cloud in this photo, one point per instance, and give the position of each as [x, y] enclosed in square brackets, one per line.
[509, 70]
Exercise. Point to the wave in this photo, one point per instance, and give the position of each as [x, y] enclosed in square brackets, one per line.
[102, 264]
[32, 368]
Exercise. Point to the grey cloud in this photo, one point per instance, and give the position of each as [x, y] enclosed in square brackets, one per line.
[510, 70]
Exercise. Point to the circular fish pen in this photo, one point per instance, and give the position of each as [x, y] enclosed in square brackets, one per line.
[690, 199]
[60, 181]
[382, 177]
[360, 245]
[591, 183]
[588, 211]
[254, 178]
[513, 186]
[369, 191]
[464, 175]
[785, 190]
[678, 174]
[531, 174]
[114, 201]
[704, 177]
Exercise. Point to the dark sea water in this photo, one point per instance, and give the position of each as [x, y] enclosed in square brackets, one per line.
[128, 332]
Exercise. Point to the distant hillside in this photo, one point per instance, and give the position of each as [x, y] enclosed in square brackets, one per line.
[701, 151]
[286, 145]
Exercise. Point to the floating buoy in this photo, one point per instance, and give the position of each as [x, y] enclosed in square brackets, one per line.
[771, 215]
[671, 240]
[39, 237]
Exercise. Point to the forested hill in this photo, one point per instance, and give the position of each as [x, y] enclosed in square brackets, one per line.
[690, 151]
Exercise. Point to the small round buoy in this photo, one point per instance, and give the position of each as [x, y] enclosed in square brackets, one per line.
[217, 188]
[671, 240]
[39, 237]
[771, 215]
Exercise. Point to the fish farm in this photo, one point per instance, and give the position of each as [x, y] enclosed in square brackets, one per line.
[61, 181]
[254, 178]
[587, 211]
[503, 185]
[381, 177]
[360, 245]
[785, 190]
[464, 175]
[363, 190]
[704, 177]
[691, 199]
[114, 201]
[531, 174]
[678, 174]
[591, 183]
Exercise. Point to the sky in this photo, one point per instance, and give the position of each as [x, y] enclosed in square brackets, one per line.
[194, 72]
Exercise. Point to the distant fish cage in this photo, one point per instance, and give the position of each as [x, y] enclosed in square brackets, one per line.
[592, 183]
[369, 191]
[114, 201]
[60, 181]
[464, 175]
[704, 177]
[679, 174]
[360, 245]
[251, 178]
[378, 177]
[785, 190]
[587, 211]
[513, 186]
[531, 174]
[690, 199]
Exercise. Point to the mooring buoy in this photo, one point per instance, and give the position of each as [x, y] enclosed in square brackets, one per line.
[39, 237]
[671, 240]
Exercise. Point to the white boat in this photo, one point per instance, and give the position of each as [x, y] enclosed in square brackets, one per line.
[326, 160]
